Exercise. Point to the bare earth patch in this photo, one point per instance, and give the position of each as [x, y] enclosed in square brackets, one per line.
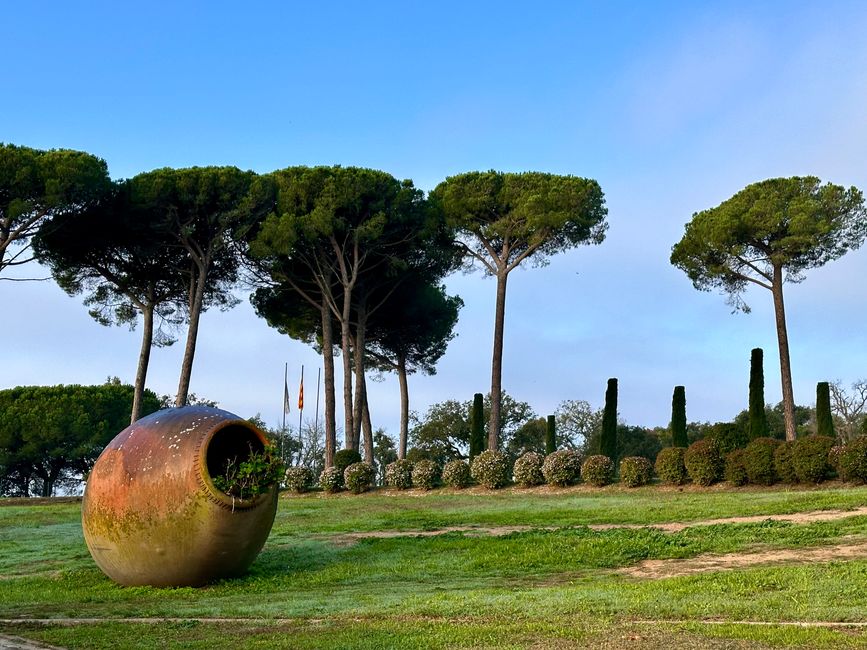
[653, 569]
[17, 643]
[672, 527]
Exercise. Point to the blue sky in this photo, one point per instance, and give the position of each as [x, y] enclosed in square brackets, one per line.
[672, 107]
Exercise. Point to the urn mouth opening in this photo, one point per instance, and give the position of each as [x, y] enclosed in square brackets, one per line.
[225, 451]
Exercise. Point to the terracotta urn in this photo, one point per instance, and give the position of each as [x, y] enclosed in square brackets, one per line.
[151, 512]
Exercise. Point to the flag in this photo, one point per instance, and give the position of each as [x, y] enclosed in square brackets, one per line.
[285, 397]
[301, 394]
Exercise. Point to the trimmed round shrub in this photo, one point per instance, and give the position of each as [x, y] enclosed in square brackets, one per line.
[735, 471]
[810, 458]
[490, 469]
[670, 467]
[344, 458]
[528, 469]
[425, 474]
[783, 462]
[456, 474]
[331, 480]
[635, 471]
[298, 479]
[834, 458]
[853, 460]
[399, 474]
[358, 477]
[598, 470]
[562, 468]
[758, 460]
[703, 462]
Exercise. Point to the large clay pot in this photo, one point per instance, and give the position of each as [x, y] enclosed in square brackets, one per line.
[151, 513]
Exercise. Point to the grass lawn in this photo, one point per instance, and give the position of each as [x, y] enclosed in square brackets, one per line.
[350, 571]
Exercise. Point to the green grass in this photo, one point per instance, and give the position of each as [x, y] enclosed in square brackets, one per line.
[578, 506]
[544, 588]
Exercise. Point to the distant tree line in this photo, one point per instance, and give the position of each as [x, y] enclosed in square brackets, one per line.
[51, 435]
[352, 261]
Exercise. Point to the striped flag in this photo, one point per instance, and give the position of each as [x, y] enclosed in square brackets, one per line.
[285, 397]
[301, 392]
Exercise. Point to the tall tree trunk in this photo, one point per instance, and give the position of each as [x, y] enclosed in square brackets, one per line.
[497, 361]
[330, 398]
[404, 405]
[366, 426]
[144, 356]
[785, 362]
[198, 299]
[350, 441]
[358, 361]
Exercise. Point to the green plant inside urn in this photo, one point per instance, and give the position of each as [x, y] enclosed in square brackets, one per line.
[247, 474]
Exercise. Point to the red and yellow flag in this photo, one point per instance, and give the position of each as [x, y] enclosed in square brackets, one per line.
[301, 395]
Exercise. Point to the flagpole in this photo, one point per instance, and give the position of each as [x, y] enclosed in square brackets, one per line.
[300, 414]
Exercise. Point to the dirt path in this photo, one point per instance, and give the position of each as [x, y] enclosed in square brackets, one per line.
[672, 527]
[653, 569]
[17, 643]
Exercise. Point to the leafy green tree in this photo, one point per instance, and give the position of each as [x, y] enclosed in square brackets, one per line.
[125, 264]
[678, 417]
[758, 420]
[411, 332]
[730, 435]
[824, 419]
[51, 434]
[37, 186]
[384, 453]
[551, 435]
[694, 431]
[637, 441]
[445, 428]
[504, 220]
[477, 426]
[577, 422]
[305, 317]
[631, 440]
[775, 417]
[290, 313]
[769, 233]
[608, 441]
[338, 232]
[205, 211]
[530, 436]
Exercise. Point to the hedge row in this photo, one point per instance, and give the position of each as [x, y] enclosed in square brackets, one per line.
[764, 461]
[490, 469]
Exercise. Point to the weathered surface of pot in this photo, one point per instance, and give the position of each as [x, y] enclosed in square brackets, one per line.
[151, 513]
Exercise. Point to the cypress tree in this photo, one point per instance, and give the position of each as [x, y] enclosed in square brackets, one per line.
[477, 426]
[678, 418]
[823, 410]
[608, 442]
[551, 436]
[758, 420]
